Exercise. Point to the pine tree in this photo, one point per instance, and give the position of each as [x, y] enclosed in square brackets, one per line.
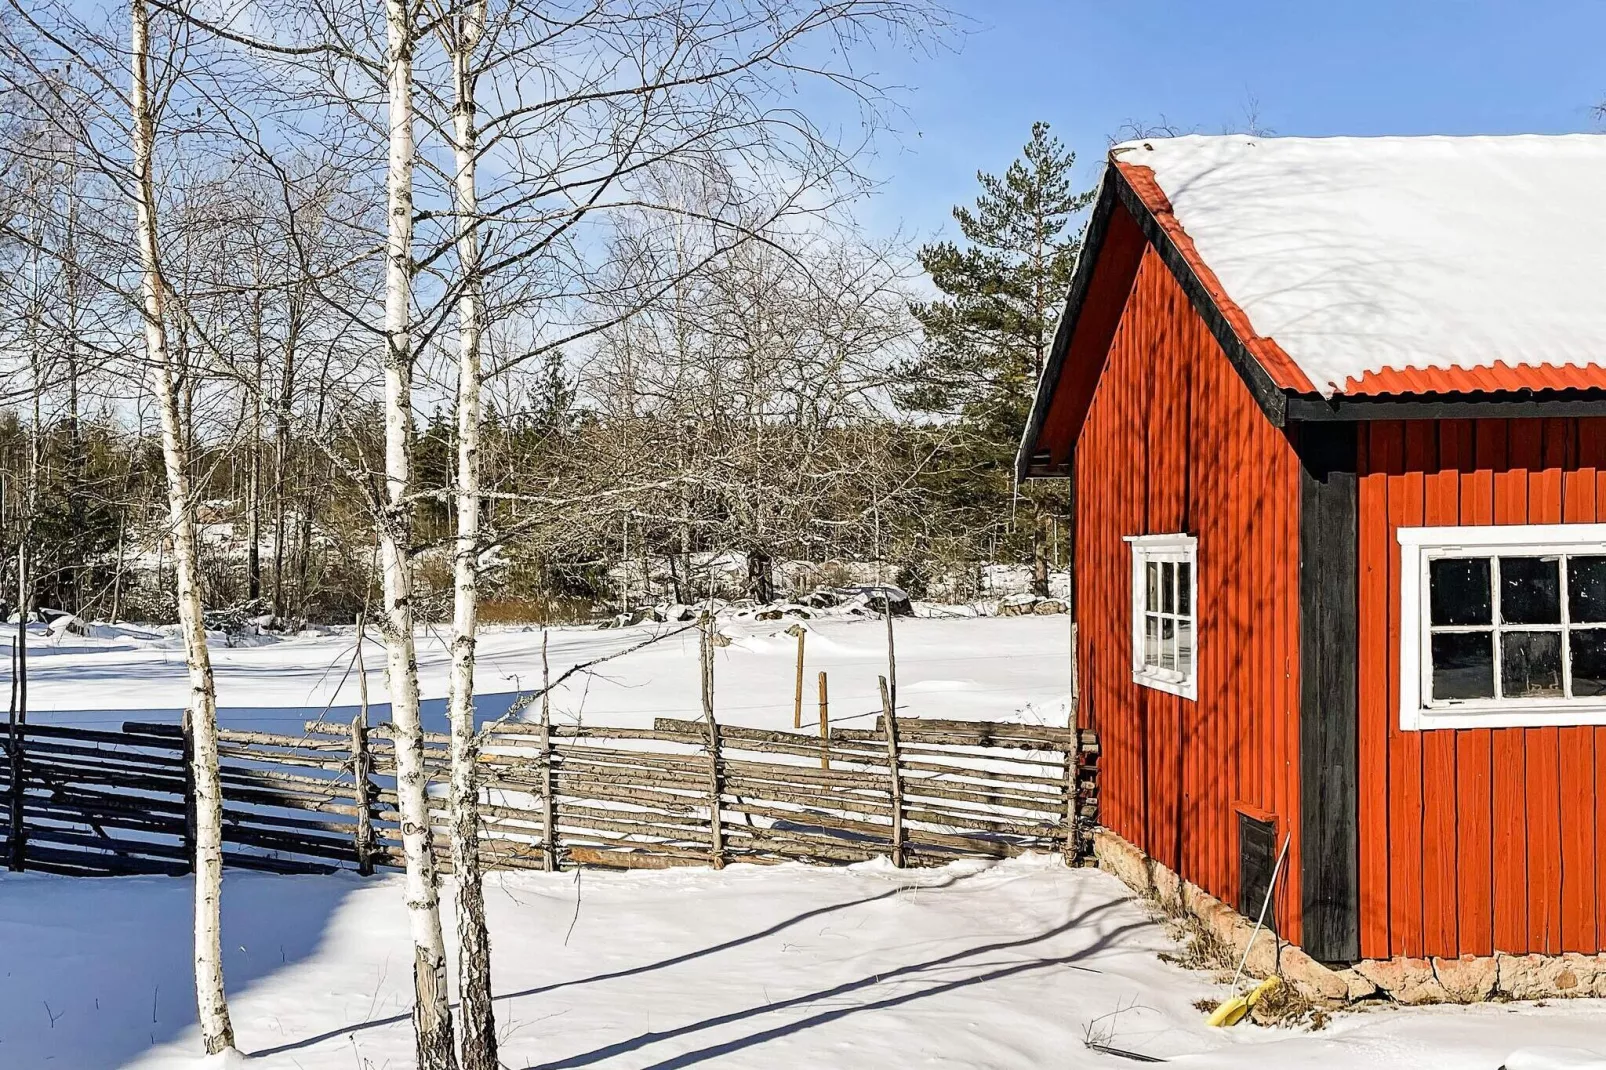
[987, 338]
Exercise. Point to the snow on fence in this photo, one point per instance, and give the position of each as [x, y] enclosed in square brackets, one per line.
[117, 802]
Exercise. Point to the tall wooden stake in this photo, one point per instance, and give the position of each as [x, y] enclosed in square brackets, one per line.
[825, 725]
[892, 654]
[797, 696]
[361, 766]
[889, 720]
[17, 835]
[715, 823]
[549, 831]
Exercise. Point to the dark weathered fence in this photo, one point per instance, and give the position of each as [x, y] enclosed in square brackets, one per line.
[117, 802]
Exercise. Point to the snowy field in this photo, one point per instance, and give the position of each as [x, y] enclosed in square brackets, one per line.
[1009, 965]
[992, 668]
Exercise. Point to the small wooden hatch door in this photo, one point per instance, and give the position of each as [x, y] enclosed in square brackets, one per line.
[1257, 855]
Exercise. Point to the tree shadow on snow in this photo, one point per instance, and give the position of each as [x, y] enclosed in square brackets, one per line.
[912, 971]
[98, 970]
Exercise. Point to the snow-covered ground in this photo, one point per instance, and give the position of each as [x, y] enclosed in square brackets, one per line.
[995, 668]
[975, 965]
[1009, 965]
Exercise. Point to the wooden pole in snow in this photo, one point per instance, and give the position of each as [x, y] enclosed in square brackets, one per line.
[549, 829]
[362, 762]
[715, 824]
[797, 696]
[825, 726]
[892, 654]
[889, 721]
[16, 835]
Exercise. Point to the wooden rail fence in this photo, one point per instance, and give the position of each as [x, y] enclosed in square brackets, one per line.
[92, 802]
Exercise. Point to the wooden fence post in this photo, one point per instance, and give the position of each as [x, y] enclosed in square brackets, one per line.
[890, 720]
[18, 834]
[362, 764]
[797, 694]
[549, 827]
[190, 817]
[715, 822]
[825, 726]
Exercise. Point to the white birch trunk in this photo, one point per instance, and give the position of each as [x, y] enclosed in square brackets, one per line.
[432, 1022]
[474, 957]
[216, 1030]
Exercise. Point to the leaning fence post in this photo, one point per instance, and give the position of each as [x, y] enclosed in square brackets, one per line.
[362, 764]
[797, 694]
[715, 822]
[890, 720]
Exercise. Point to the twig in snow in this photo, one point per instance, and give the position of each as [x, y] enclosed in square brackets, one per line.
[576, 917]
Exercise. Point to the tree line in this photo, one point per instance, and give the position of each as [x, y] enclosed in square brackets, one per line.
[451, 309]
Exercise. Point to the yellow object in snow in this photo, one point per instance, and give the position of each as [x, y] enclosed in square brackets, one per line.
[1233, 1010]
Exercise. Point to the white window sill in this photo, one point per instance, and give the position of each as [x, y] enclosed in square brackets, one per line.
[1171, 685]
[1505, 715]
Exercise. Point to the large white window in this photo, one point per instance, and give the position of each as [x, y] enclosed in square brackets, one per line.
[1503, 626]
[1164, 585]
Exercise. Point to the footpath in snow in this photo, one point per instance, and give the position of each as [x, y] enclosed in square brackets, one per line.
[1008, 965]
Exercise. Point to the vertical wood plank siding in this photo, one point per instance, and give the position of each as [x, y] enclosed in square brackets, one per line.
[1473, 840]
[1174, 443]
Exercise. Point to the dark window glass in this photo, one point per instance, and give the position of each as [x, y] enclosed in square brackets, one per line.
[1151, 640]
[1185, 646]
[1459, 590]
[1589, 662]
[1151, 574]
[1463, 665]
[1530, 590]
[1586, 589]
[1168, 643]
[1184, 588]
[1168, 587]
[1530, 664]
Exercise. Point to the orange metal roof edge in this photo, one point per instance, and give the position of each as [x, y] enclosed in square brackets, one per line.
[1277, 363]
[1496, 377]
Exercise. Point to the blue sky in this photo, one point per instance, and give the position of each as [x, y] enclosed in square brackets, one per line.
[1315, 67]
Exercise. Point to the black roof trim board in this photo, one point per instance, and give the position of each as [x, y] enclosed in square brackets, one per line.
[1307, 408]
[1092, 241]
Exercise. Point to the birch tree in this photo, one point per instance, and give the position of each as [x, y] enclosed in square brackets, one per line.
[216, 1030]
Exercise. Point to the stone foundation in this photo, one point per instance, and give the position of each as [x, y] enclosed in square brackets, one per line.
[1469, 979]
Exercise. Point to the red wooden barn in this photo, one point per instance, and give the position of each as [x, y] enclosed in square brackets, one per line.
[1335, 415]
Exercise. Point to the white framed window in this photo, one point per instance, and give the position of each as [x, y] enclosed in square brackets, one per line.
[1165, 585]
[1502, 626]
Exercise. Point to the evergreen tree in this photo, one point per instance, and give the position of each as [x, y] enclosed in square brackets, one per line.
[987, 340]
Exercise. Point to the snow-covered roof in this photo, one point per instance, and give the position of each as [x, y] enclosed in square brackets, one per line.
[1395, 264]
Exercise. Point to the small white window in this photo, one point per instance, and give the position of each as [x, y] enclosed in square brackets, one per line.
[1503, 626]
[1164, 585]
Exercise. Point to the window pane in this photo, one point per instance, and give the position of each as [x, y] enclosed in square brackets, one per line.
[1151, 640]
[1589, 662]
[1459, 590]
[1168, 587]
[1530, 663]
[1185, 587]
[1463, 665]
[1168, 643]
[1530, 590]
[1151, 600]
[1586, 589]
[1185, 646]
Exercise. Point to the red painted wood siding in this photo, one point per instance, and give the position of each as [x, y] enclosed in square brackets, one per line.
[1174, 443]
[1473, 840]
